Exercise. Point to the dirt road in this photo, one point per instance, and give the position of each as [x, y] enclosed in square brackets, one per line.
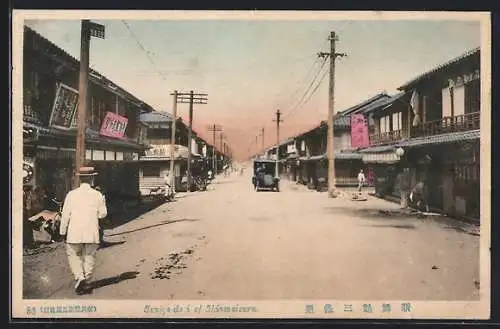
[233, 243]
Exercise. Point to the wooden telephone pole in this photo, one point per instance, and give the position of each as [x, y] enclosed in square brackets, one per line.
[191, 98]
[214, 129]
[332, 55]
[278, 120]
[221, 142]
[172, 143]
[88, 29]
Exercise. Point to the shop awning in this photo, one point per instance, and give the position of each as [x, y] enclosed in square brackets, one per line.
[441, 139]
[162, 152]
[91, 136]
[385, 157]
[338, 156]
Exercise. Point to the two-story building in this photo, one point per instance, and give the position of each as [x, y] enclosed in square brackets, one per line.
[434, 124]
[155, 163]
[114, 137]
[312, 146]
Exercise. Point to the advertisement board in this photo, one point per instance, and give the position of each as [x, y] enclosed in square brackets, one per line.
[359, 131]
[113, 125]
[64, 110]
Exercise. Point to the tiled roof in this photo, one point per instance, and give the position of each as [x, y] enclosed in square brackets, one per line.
[377, 149]
[355, 108]
[156, 119]
[440, 139]
[101, 79]
[90, 136]
[427, 140]
[439, 68]
[393, 99]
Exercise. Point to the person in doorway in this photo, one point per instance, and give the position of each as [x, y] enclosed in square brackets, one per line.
[361, 179]
[83, 208]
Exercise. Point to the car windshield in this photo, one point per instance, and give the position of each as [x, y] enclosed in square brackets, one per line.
[264, 167]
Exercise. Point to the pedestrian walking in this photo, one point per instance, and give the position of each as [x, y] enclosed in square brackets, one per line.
[83, 208]
[361, 180]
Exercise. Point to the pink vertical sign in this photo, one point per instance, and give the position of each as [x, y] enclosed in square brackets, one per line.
[359, 131]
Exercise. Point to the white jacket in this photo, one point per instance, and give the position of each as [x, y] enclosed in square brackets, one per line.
[83, 207]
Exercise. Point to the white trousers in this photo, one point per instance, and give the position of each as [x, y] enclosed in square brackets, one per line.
[81, 259]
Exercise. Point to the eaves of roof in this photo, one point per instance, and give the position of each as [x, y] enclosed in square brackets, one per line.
[441, 139]
[439, 68]
[358, 107]
[101, 78]
[426, 141]
[90, 136]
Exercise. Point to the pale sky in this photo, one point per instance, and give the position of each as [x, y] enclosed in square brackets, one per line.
[251, 68]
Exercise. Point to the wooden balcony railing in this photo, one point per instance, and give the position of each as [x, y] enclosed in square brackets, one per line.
[470, 121]
[387, 137]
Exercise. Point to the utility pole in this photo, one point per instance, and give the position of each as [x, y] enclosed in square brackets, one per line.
[172, 143]
[262, 139]
[332, 55]
[88, 29]
[214, 129]
[221, 141]
[191, 98]
[278, 120]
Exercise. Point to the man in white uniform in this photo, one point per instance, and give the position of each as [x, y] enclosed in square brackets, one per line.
[82, 210]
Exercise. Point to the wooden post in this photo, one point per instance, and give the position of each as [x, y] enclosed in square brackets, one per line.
[172, 143]
[190, 137]
[330, 133]
[82, 98]
[278, 120]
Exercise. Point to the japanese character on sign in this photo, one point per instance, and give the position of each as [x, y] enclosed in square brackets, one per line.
[328, 308]
[347, 307]
[309, 308]
[367, 308]
[406, 307]
[386, 308]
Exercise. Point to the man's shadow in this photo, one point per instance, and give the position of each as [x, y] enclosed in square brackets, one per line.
[110, 281]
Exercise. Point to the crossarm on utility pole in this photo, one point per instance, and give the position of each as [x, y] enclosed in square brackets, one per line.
[332, 55]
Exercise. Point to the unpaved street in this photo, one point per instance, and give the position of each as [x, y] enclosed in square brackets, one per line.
[233, 243]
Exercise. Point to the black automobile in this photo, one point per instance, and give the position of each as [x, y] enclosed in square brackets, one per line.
[264, 175]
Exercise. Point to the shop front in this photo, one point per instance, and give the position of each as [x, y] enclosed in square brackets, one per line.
[51, 158]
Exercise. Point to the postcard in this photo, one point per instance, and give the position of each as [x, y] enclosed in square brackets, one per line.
[251, 164]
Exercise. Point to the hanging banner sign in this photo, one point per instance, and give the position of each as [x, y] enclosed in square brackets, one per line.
[113, 125]
[359, 131]
[65, 106]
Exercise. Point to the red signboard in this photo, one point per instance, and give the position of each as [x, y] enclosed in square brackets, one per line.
[359, 131]
[113, 125]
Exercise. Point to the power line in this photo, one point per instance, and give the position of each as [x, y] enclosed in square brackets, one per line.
[143, 49]
[315, 89]
[302, 84]
[298, 104]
